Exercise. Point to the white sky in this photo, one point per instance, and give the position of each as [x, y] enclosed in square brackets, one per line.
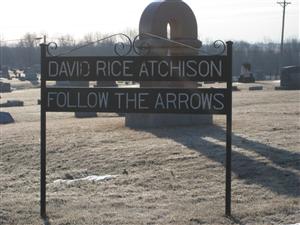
[249, 20]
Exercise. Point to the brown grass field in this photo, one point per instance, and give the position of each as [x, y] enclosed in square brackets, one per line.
[174, 175]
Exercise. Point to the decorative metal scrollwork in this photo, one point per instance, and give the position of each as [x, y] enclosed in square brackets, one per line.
[219, 44]
[144, 47]
[122, 46]
[129, 46]
[52, 46]
[125, 46]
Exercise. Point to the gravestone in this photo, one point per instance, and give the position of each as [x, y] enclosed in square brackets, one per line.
[5, 72]
[6, 118]
[12, 103]
[246, 74]
[184, 29]
[106, 84]
[30, 74]
[290, 78]
[5, 87]
[256, 88]
[62, 83]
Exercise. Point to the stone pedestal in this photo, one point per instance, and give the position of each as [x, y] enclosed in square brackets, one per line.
[183, 29]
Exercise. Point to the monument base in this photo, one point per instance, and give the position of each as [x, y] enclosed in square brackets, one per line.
[165, 120]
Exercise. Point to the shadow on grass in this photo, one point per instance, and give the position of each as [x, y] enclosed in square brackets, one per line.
[275, 176]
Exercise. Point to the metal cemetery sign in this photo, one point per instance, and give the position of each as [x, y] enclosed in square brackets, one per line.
[217, 68]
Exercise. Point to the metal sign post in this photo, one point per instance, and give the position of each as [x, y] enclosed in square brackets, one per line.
[43, 134]
[228, 131]
[216, 68]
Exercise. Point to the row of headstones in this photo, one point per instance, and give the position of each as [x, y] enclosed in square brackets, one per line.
[31, 74]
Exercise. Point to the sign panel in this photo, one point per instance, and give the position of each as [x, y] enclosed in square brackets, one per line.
[136, 68]
[136, 100]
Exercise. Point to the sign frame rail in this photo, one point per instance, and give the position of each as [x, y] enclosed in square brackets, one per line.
[225, 77]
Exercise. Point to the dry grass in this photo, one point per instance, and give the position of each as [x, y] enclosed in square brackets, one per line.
[175, 175]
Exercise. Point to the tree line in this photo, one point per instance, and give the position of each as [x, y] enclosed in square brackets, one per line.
[263, 57]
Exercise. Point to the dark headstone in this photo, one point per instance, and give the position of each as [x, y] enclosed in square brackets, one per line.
[246, 74]
[30, 74]
[248, 79]
[5, 73]
[12, 103]
[235, 88]
[85, 114]
[106, 84]
[290, 78]
[256, 88]
[62, 84]
[4, 87]
[6, 118]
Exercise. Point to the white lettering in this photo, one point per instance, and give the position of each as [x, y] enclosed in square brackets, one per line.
[53, 69]
[171, 99]
[213, 67]
[144, 70]
[159, 102]
[202, 68]
[142, 99]
[183, 99]
[101, 67]
[197, 101]
[206, 101]
[126, 68]
[219, 101]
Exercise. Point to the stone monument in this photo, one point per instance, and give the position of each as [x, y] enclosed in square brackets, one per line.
[5, 87]
[153, 41]
[290, 78]
[246, 74]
